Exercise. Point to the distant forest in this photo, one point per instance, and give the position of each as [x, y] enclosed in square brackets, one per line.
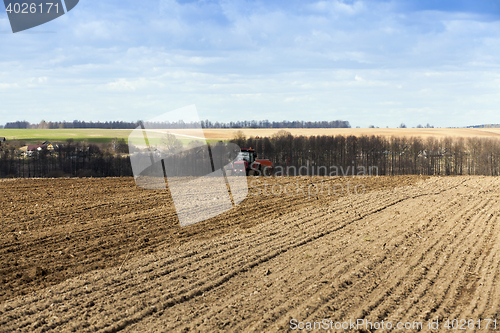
[389, 156]
[179, 124]
[485, 126]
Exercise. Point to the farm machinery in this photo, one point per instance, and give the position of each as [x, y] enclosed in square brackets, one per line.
[246, 163]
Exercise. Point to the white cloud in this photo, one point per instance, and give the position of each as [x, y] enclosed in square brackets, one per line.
[125, 85]
[8, 85]
[336, 7]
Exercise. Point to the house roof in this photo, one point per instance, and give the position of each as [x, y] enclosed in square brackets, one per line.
[35, 147]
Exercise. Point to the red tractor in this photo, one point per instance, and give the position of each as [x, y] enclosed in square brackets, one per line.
[247, 164]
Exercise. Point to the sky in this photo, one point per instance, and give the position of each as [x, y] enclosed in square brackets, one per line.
[378, 63]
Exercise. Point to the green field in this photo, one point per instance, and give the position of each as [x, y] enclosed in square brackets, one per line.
[36, 136]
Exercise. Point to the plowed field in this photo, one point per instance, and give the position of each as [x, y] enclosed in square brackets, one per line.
[103, 255]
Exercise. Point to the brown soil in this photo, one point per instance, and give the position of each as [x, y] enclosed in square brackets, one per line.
[113, 257]
[66, 227]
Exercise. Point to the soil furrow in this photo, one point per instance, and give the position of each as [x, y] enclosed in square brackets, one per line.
[415, 252]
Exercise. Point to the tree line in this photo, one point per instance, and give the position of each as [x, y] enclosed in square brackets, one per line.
[334, 155]
[177, 124]
[73, 159]
[74, 124]
[291, 155]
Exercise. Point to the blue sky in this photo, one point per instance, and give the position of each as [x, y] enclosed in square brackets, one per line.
[369, 62]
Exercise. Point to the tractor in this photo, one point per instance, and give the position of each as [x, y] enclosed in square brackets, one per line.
[246, 163]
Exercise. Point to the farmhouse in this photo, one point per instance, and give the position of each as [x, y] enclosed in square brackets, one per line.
[49, 146]
[34, 148]
[30, 149]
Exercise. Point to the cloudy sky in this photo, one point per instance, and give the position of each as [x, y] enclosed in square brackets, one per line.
[369, 62]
